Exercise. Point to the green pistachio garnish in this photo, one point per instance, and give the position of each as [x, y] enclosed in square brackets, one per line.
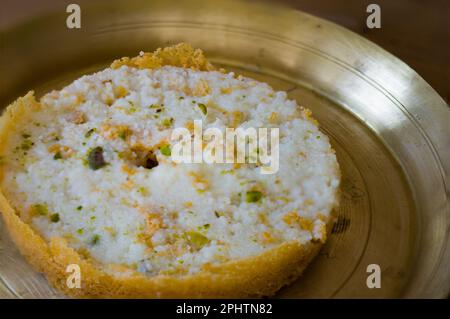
[253, 196]
[90, 132]
[167, 122]
[40, 209]
[123, 135]
[95, 239]
[203, 108]
[54, 218]
[57, 156]
[143, 191]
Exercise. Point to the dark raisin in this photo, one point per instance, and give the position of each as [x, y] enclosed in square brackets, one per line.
[95, 158]
[140, 157]
[151, 161]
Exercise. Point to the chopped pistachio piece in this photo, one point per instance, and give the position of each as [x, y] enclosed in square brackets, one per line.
[165, 150]
[123, 135]
[95, 239]
[89, 133]
[54, 218]
[40, 209]
[203, 108]
[57, 156]
[197, 239]
[253, 196]
[167, 122]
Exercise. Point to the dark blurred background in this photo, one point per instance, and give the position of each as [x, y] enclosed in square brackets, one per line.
[416, 31]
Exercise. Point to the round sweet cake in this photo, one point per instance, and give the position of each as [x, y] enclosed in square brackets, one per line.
[88, 177]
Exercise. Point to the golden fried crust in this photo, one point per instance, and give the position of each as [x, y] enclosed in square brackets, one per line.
[261, 275]
[181, 55]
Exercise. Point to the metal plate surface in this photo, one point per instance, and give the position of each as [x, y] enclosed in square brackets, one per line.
[390, 129]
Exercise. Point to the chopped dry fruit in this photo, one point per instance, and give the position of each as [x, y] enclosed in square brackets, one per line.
[95, 239]
[90, 132]
[203, 108]
[253, 196]
[167, 122]
[165, 150]
[39, 210]
[60, 151]
[54, 218]
[196, 239]
[76, 117]
[95, 158]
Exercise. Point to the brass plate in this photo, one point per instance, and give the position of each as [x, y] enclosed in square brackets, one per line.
[390, 129]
